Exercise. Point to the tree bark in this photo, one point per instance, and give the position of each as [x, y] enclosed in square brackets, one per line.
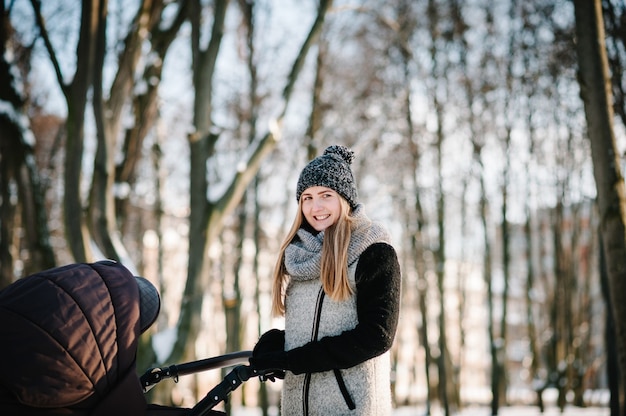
[76, 230]
[18, 167]
[103, 221]
[144, 104]
[614, 17]
[611, 195]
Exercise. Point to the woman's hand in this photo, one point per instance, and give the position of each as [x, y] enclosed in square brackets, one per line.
[269, 354]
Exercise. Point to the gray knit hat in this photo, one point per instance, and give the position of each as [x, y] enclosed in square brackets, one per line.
[332, 170]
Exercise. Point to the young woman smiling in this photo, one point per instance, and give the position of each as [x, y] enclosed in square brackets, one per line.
[337, 282]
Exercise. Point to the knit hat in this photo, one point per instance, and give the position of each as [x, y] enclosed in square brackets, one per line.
[332, 170]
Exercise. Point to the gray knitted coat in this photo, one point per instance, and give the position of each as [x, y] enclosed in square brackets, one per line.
[338, 351]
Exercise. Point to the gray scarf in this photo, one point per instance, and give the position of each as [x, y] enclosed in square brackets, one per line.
[303, 254]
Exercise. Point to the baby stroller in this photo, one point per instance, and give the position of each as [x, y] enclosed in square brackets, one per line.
[68, 344]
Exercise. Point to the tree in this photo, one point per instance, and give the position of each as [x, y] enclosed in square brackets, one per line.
[405, 28]
[206, 215]
[146, 26]
[75, 93]
[101, 223]
[611, 193]
[614, 14]
[18, 168]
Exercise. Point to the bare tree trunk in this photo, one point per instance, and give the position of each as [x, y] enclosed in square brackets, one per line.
[417, 230]
[535, 364]
[145, 103]
[560, 302]
[206, 216]
[506, 269]
[505, 226]
[75, 93]
[101, 211]
[102, 221]
[18, 166]
[495, 341]
[612, 359]
[446, 382]
[614, 15]
[146, 356]
[462, 271]
[537, 382]
[231, 295]
[7, 212]
[264, 402]
[201, 144]
[11, 152]
[103, 218]
[487, 264]
[487, 270]
[580, 307]
[445, 377]
[248, 10]
[423, 328]
[595, 91]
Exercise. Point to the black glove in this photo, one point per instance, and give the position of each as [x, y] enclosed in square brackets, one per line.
[271, 341]
[276, 360]
[269, 354]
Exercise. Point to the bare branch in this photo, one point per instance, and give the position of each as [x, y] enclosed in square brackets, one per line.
[43, 32]
[314, 33]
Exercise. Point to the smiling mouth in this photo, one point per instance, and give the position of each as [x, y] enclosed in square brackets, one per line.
[322, 217]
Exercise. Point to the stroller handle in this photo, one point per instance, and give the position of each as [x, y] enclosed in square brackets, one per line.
[219, 393]
[154, 375]
[234, 379]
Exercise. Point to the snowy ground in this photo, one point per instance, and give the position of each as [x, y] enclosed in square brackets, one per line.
[480, 411]
[597, 400]
[511, 411]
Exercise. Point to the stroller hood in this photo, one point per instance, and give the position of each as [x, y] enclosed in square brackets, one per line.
[69, 335]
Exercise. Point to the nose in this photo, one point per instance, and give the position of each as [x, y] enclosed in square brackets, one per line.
[317, 203]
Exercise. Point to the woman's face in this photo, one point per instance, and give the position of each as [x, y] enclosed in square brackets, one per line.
[321, 207]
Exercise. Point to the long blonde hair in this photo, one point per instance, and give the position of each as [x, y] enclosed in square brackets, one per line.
[334, 259]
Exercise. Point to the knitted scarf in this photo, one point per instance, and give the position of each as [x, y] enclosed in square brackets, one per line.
[303, 254]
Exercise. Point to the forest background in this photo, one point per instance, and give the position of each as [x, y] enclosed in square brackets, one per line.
[489, 138]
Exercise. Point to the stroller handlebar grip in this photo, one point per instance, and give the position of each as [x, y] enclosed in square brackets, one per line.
[156, 374]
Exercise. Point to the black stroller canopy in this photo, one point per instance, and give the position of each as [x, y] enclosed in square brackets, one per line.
[69, 337]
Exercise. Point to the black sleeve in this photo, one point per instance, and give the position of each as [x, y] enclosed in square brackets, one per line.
[378, 306]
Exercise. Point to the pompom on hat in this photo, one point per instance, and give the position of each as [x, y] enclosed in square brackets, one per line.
[332, 170]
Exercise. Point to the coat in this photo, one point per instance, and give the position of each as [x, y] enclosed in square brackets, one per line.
[68, 342]
[338, 351]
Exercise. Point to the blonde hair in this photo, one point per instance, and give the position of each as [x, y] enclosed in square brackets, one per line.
[334, 259]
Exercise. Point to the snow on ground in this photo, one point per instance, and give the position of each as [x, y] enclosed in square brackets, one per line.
[477, 411]
[597, 400]
[510, 411]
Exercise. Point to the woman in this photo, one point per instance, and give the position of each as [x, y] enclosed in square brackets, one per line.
[337, 281]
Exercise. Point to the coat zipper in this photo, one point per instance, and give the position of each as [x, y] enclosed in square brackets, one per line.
[338, 376]
[316, 329]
